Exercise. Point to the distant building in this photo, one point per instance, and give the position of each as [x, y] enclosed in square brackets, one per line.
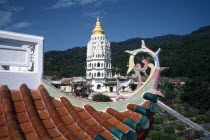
[98, 67]
[77, 86]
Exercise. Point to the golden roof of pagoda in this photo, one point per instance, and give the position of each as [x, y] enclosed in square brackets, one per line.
[98, 28]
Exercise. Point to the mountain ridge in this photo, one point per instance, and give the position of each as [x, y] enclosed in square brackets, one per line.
[177, 50]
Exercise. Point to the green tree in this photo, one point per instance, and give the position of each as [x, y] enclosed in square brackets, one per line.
[168, 89]
[197, 94]
[101, 98]
[51, 67]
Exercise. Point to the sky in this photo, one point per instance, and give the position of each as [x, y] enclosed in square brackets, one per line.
[69, 23]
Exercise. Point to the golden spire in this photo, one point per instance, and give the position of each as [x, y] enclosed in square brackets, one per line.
[98, 29]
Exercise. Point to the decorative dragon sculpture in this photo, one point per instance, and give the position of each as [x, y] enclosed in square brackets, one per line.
[137, 68]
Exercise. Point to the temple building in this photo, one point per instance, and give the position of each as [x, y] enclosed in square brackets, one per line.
[28, 112]
[98, 67]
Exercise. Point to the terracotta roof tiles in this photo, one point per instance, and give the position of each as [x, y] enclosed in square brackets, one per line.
[33, 114]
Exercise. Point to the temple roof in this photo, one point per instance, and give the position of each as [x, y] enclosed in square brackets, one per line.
[34, 114]
[98, 28]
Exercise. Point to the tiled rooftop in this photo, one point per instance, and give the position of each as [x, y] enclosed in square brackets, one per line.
[34, 114]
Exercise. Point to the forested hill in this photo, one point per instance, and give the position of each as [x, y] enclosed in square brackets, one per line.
[186, 55]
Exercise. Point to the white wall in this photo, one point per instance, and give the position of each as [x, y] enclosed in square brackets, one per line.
[27, 69]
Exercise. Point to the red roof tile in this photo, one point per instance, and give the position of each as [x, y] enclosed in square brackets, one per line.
[36, 115]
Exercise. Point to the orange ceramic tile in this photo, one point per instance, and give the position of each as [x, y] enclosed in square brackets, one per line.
[122, 127]
[73, 127]
[97, 128]
[22, 117]
[78, 109]
[85, 115]
[105, 115]
[107, 135]
[16, 96]
[62, 111]
[53, 132]
[75, 115]
[119, 116]
[54, 127]
[145, 104]
[43, 114]
[39, 104]
[57, 103]
[2, 120]
[59, 138]
[31, 136]
[91, 122]
[135, 116]
[19, 106]
[67, 119]
[4, 131]
[26, 127]
[113, 121]
[48, 123]
[99, 112]
[81, 135]
[87, 138]
[1, 109]
[36, 95]
[6, 105]
[5, 138]
[131, 107]
[126, 113]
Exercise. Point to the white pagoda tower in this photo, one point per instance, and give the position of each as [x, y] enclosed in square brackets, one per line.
[98, 60]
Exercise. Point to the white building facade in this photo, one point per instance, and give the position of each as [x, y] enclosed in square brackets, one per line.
[98, 62]
[21, 59]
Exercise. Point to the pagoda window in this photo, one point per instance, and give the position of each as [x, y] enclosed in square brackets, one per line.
[94, 74]
[102, 65]
[94, 65]
[98, 65]
[98, 86]
[98, 74]
[102, 75]
[89, 74]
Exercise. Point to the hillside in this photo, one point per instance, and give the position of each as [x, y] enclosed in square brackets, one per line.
[186, 55]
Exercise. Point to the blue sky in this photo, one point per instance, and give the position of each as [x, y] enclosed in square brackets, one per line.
[69, 23]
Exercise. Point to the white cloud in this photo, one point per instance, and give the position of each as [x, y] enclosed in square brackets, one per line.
[95, 14]
[5, 18]
[68, 3]
[63, 3]
[7, 14]
[19, 25]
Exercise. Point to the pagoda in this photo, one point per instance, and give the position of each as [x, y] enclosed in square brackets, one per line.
[98, 62]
